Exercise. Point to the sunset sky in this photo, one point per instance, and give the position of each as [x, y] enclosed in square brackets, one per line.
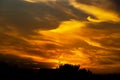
[53, 32]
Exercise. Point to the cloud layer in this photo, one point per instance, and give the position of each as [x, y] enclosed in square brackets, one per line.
[62, 31]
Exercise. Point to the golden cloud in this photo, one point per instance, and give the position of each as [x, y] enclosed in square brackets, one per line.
[65, 36]
[72, 30]
[100, 14]
[59, 45]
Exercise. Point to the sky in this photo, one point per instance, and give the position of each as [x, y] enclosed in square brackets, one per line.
[53, 32]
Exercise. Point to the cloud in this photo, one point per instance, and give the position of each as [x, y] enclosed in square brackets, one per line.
[23, 62]
[108, 16]
[116, 5]
[20, 48]
[31, 16]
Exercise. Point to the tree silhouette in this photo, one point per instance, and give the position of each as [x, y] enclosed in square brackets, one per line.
[64, 72]
[69, 68]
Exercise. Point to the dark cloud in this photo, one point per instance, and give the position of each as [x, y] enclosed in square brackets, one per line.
[7, 40]
[14, 43]
[112, 5]
[116, 4]
[12, 60]
[31, 16]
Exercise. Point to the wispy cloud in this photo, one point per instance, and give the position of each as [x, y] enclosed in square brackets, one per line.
[100, 14]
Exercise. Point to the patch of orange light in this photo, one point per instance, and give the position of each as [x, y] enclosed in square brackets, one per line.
[107, 16]
[65, 33]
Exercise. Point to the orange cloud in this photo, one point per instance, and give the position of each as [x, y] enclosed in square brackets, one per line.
[69, 29]
[65, 36]
[59, 45]
[102, 15]
[72, 30]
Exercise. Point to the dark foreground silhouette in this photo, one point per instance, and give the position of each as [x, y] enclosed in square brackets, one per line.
[64, 72]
